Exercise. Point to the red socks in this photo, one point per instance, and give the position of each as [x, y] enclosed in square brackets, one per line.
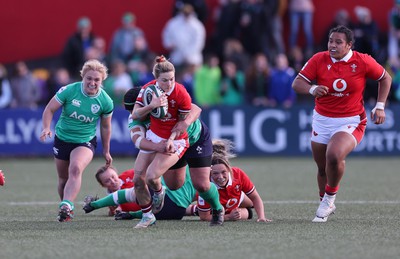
[331, 190]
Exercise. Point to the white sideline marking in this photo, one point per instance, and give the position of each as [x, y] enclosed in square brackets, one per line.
[38, 203]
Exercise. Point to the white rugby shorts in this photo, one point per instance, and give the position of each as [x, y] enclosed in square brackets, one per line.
[180, 145]
[323, 128]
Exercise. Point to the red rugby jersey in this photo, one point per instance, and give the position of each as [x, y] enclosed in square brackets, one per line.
[345, 80]
[230, 195]
[179, 100]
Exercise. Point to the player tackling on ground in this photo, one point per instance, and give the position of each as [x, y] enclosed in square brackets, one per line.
[164, 129]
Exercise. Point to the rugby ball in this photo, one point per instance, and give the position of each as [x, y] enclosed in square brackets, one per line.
[158, 112]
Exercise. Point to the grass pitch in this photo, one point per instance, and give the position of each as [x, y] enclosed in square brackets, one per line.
[366, 223]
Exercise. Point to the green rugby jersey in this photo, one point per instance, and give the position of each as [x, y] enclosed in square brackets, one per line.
[132, 123]
[194, 131]
[80, 113]
[184, 196]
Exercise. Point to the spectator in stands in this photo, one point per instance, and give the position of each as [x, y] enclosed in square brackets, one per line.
[252, 26]
[57, 79]
[226, 25]
[394, 70]
[234, 51]
[366, 36]
[232, 84]
[73, 55]
[366, 32]
[207, 80]
[394, 35]
[301, 11]
[123, 40]
[184, 36]
[342, 17]
[140, 51]
[257, 80]
[199, 7]
[5, 88]
[138, 64]
[139, 71]
[97, 50]
[25, 89]
[186, 77]
[41, 75]
[118, 83]
[393, 60]
[297, 61]
[280, 83]
[273, 42]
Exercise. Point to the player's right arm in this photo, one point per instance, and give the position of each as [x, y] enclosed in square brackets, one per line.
[47, 117]
[182, 125]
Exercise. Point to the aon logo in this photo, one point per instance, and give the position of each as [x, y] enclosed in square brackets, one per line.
[81, 117]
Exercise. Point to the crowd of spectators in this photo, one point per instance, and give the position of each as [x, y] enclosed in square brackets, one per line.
[244, 61]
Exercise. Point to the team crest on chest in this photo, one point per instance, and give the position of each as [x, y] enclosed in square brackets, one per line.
[353, 67]
[172, 102]
[95, 108]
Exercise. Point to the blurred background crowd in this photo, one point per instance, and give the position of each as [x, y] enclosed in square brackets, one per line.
[248, 58]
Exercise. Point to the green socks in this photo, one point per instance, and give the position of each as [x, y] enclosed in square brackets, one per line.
[70, 204]
[113, 199]
[212, 197]
[136, 214]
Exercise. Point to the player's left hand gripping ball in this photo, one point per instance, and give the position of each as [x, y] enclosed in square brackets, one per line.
[2, 178]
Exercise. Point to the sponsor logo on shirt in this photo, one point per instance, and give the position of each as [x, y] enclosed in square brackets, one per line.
[231, 203]
[81, 117]
[76, 103]
[339, 85]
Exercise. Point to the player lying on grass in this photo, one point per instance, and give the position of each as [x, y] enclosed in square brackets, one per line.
[177, 204]
[233, 186]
